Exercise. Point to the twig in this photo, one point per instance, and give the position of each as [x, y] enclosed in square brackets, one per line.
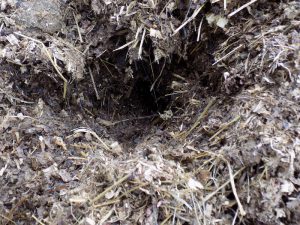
[120, 197]
[133, 189]
[196, 12]
[13, 97]
[134, 41]
[101, 195]
[124, 46]
[241, 8]
[78, 28]
[110, 123]
[94, 85]
[37, 220]
[166, 219]
[87, 130]
[7, 219]
[225, 127]
[199, 30]
[231, 180]
[106, 217]
[195, 209]
[241, 209]
[106, 67]
[141, 44]
[235, 217]
[228, 54]
[161, 71]
[1, 27]
[221, 187]
[184, 134]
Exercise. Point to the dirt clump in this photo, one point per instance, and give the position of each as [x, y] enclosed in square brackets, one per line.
[44, 15]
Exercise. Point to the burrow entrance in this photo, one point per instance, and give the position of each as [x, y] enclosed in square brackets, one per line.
[130, 96]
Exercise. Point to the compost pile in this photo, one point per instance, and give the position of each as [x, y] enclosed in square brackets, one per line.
[149, 112]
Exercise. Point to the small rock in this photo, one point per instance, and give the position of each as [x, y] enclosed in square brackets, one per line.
[42, 14]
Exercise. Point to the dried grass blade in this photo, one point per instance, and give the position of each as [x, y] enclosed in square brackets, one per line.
[184, 134]
[225, 127]
[196, 12]
[241, 8]
[101, 195]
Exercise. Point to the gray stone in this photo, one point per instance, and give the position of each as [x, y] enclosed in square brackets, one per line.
[42, 14]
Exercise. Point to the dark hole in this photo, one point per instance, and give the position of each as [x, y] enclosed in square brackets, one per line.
[231, 196]
[142, 97]
[284, 199]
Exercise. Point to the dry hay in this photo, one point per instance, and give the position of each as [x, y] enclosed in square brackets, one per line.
[227, 159]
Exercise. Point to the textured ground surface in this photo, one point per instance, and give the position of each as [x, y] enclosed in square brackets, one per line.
[149, 112]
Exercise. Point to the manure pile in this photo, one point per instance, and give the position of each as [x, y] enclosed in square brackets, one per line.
[149, 112]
